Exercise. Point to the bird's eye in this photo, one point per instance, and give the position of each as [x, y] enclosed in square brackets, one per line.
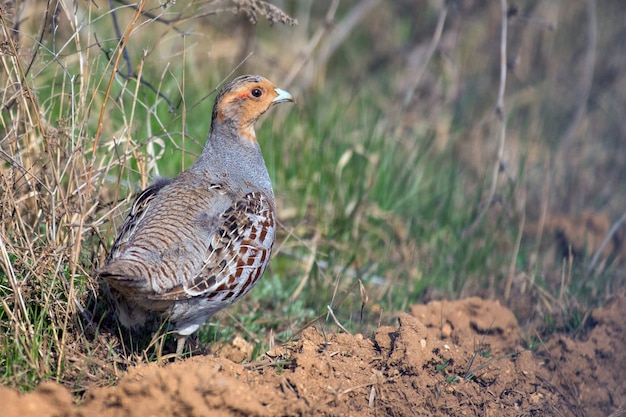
[256, 92]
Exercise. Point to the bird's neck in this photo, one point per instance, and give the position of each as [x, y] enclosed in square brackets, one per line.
[230, 156]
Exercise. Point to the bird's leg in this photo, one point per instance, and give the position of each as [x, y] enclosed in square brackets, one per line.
[180, 345]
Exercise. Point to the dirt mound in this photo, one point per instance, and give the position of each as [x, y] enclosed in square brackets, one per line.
[589, 373]
[445, 359]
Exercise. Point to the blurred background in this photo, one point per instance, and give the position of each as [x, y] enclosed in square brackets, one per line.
[437, 150]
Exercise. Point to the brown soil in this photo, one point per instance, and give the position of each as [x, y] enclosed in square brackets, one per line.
[461, 358]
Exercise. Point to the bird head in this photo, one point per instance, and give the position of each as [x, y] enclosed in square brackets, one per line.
[242, 101]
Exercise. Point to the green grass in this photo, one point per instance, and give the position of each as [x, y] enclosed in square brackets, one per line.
[368, 193]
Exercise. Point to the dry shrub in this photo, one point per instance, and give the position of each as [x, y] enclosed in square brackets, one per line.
[69, 98]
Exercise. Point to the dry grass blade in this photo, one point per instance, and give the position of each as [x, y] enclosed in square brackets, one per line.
[332, 314]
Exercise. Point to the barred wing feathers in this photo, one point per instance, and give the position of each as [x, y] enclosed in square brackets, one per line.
[164, 256]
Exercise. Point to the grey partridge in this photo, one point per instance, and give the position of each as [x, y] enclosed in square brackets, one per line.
[194, 244]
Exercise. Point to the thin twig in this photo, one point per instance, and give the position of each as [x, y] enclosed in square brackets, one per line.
[518, 244]
[332, 314]
[472, 372]
[156, 18]
[120, 52]
[499, 111]
[131, 75]
[545, 198]
[35, 53]
[321, 316]
[606, 241]
[310, 262]
[432, 47]
[10, 273]
[305, 55]
[118, 34]
[338, 36]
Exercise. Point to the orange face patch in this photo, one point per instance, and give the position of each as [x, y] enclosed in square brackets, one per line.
[245, 105]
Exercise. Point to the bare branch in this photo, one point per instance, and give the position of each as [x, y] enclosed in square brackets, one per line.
[499, 110]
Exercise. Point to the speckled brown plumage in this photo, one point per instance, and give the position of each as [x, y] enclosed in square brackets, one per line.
[194, 244]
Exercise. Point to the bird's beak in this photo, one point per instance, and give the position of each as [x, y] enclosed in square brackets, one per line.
[282, 97]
